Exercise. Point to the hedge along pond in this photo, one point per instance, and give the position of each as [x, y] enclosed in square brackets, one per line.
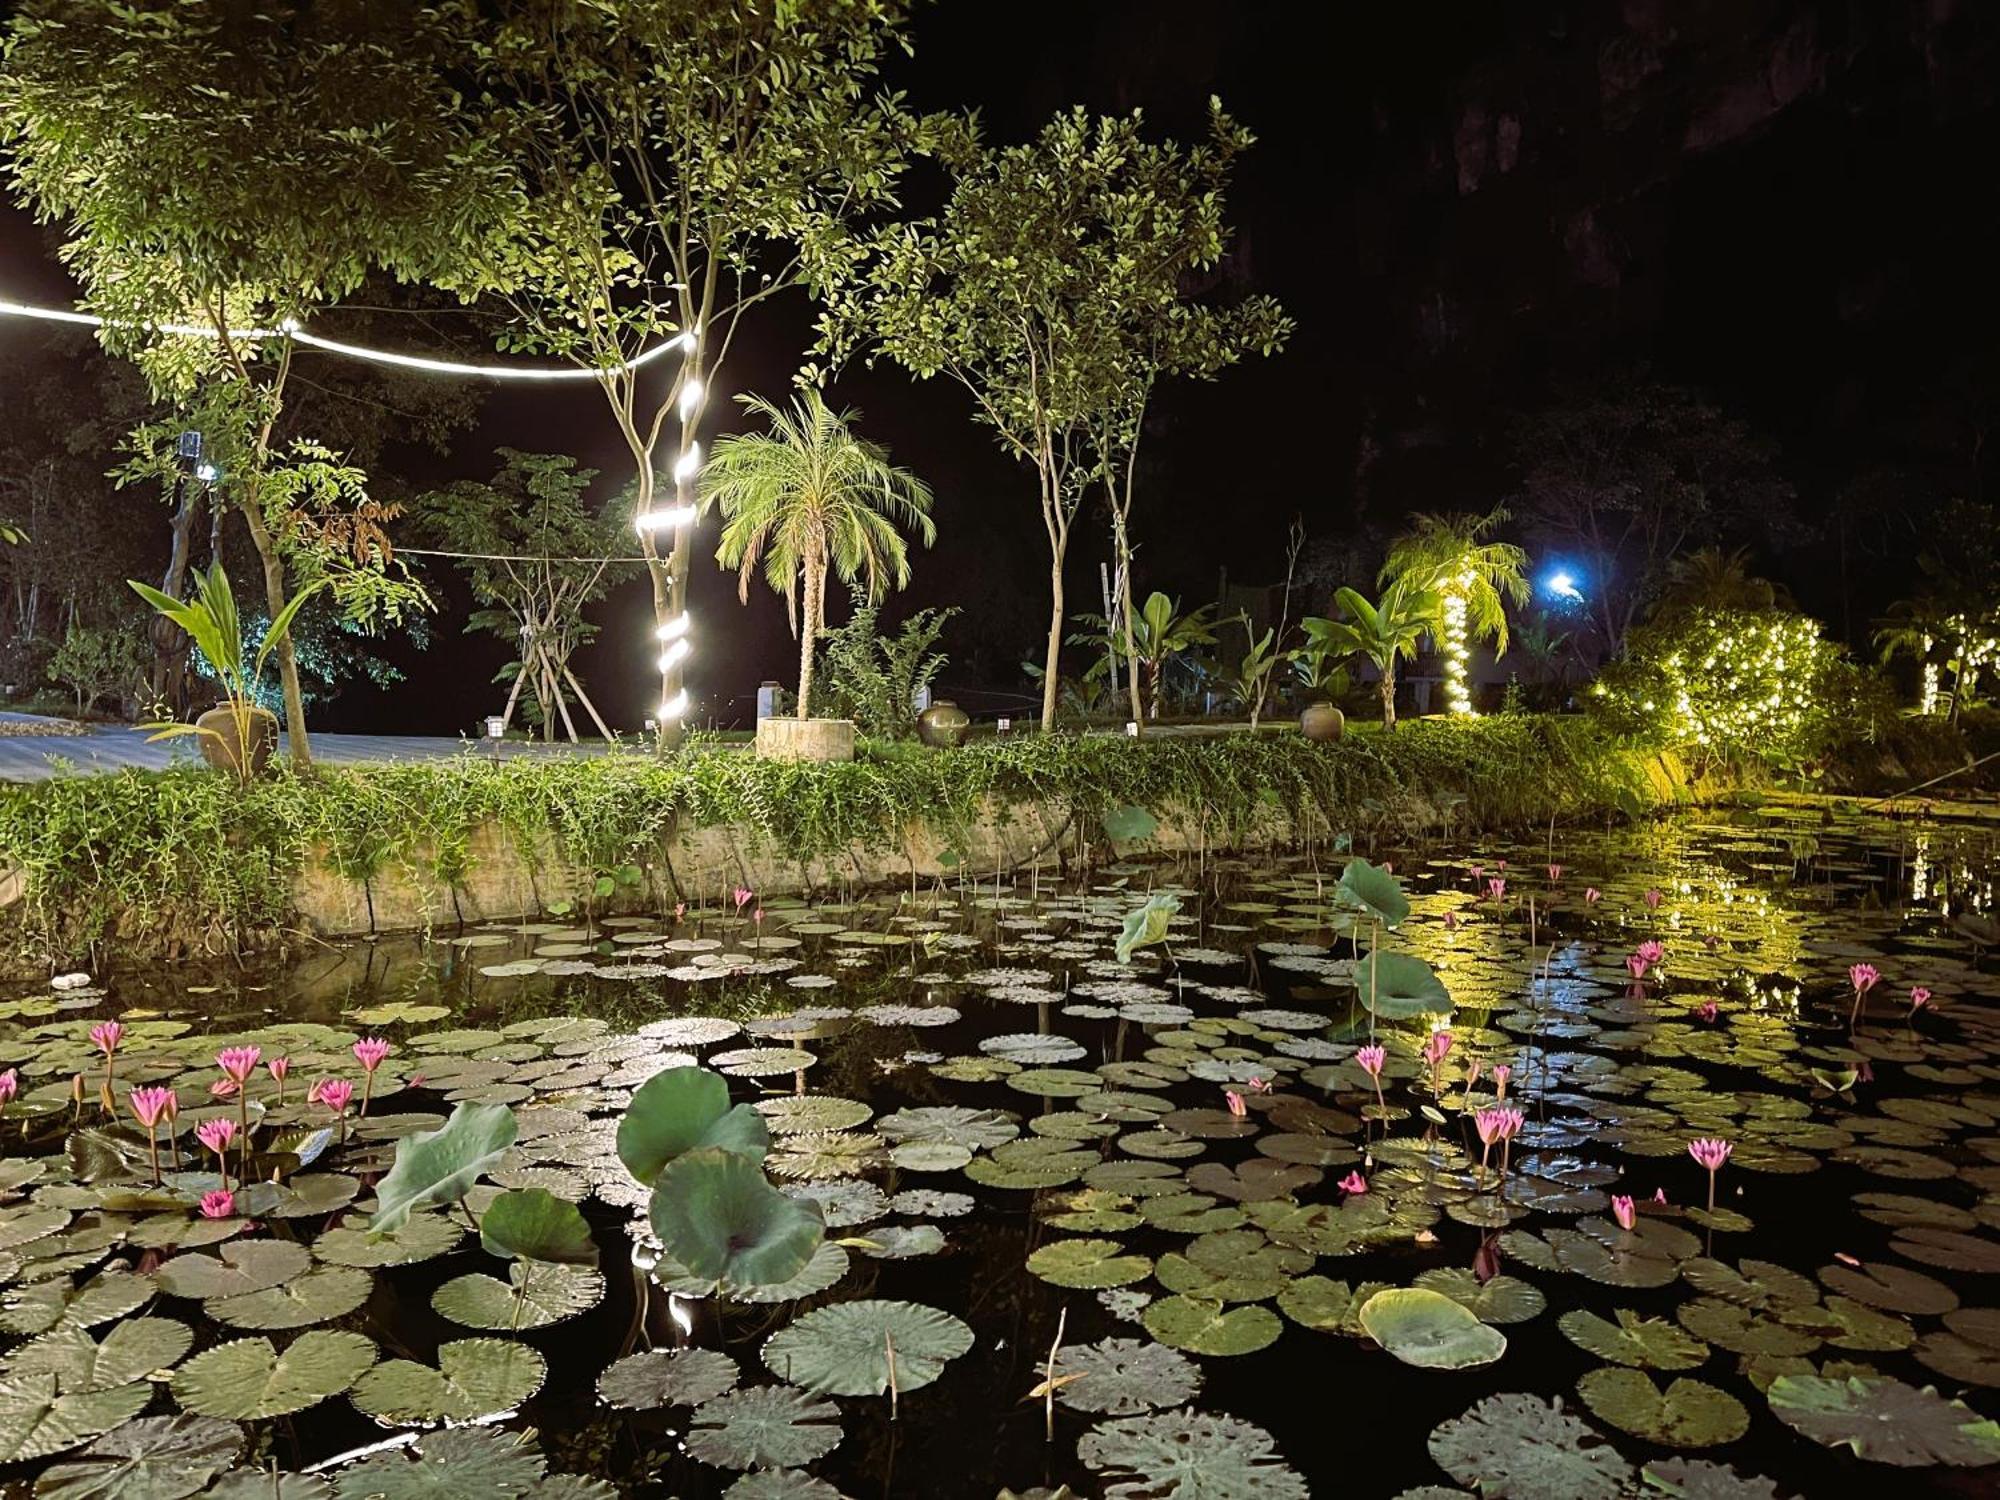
[950, 1196]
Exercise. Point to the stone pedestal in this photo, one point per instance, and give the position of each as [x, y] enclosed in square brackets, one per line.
[805, 739]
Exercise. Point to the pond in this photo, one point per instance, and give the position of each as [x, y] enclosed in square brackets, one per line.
[1267, 1263]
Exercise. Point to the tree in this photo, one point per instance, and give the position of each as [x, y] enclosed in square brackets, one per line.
[1451, 558]
[678, 163]
[537, 555]
[1625, 477]
[1052, 286]
[809, 498]
[1383, 633]
[1154, 636]
[1712, 579]
[227, 176]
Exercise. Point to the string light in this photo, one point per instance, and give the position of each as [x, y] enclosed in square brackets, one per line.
[674, 708]
[676, 652]
[691, 396]
[688, 464]
[665, 520]
[1457, 653]
[673, 629]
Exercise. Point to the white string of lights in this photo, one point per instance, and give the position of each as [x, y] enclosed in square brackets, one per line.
[673, 635]
[1457, 653]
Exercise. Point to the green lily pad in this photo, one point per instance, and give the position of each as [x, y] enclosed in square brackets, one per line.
[131, 1350]
[975, 1129]
[667, 1377]
[1123, 1377]
[35, 1420]
[1088, 1263]
[534, 1224]
[1190, 1454]
[318, 1296]
[1397, 987]
[1645, 1343]
[450, 1465]
[764, 1427]
[243, 1266]
[682, 1110]
[149, 1458]
[1208, 1328]
[1430, 1330]
[1698, 1479]
[534, 1296]
[249, 1379]
[1520, 1447]
[440, 1166]
[1327, 1305]
[1498, 1299]
[1885, 1421]
[844, 1349]
[1687, 1414]
[474, 1378]
[718, 1217]
[111, 1293]
[420, 1237]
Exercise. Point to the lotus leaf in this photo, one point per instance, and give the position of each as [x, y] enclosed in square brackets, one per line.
[111, 1293]
[1189, 1455]
[667, 1377]
[533, 1224]
[844, 1349]
[1885, 1421]
[440, 1166]
[1428, 1329]
[1397, 987]
[764, 1427]
[681, 1110]
[1129, 823]
[1375, 892]
[249, 1379]
[1147, 924]
[1520, 1447]
[719, 1218]
[474, 1378]
[1687, 1414]
[533, 1296]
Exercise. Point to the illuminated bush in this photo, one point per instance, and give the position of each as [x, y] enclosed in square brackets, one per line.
[1733, 684]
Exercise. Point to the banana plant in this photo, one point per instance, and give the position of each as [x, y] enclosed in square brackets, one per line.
[1384, 633]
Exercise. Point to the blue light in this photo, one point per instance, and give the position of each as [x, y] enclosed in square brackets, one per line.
[1560, 585]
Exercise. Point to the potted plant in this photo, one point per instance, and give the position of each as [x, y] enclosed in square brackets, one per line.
[239, 734]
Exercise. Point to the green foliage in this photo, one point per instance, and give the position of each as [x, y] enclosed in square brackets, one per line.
[1375, 891]
[1147, 924]
[807, 499]
[1446, 555]
[1732, 684]
[1161, 633]
[187, 858]
[1382, 633]
[96, 662]
[682, 1110]
[873, 677]
[440, 1166]
[717, 1215]
[534, 1224]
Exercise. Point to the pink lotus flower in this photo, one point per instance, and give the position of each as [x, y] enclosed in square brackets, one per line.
[1652, 951]
[10, 1085]
[1371, 1060]
[218, 1205]
[149, 1106]
[1623, 1210]
[1919, 998]
[239, 1062]
[1653, 899]
[1637, 964]
[1501, 1073]
[216, 1134]
[1864, 978]
[1496, 888]
[744, 896]
[107, 1035]
[1708, 1010]
[1236, 1105]
[1592, 894]
[1451, 921]
[1353, 1182]
[1711, 1154]
[224, 1088]
[1555, 873]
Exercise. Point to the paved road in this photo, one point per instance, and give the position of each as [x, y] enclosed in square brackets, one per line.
[115, 747]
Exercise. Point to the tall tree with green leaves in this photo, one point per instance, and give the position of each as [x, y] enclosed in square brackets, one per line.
[536, 554]
[1473, 578]
[1054, 287]
[1383, 633]
[807, 500]
[217, 174]
[678, 164]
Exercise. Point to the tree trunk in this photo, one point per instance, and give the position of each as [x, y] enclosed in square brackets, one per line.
[1389, 696]
[1052, 662]
[808, 631]
[1131, 655]
[274, 602]
[170, 642]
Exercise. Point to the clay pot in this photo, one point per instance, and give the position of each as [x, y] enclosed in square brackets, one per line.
[942, 726]
[1322, 722]
[221, 749]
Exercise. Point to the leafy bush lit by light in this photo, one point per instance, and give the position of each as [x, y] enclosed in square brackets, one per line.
[1731, 684]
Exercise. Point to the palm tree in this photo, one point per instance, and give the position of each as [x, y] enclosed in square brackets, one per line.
[1381, 632]
[1472, 579]
[810, 498]
[1712, 579]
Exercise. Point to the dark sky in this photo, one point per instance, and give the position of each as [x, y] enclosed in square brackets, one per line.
[1790, 206]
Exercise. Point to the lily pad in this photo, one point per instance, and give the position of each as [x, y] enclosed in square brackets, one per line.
[131, 1350]
[440, 1166]
[1122, 1377]
[1498, 1299]
[474, 1378]
[844, 1349]
[1428, 1329]
[1698, 1479]
[1687, 1414]
[149, 1458]
[318, 1296]
[1327, 1305]
[1520, 1447]
[1885, 1421]
[450, 1465]
[667, 1377]
[243, 1266]
[420, 1237]
[1147, 924]
[249, 1379]
[716, 1214]
[764, 1427]
[1190, 1455]
[36, 1420]
[1088, 1263]
[1645, 1343]
[534, 1296]
[1209, 1328]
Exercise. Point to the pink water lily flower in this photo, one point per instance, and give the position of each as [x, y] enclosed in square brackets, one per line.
[1501, 1073]
[1864, 978]
[279, 1068]
[1236, 1105]
[1711, 1153]
[216, 1134]
[107, 1035]
[1708, 1010]
[1370, 1060]
[1479, 872]
[1624, 1211]
[1500, 1123]
[1653, 899]
[1652, 951]
[1555, 873]
[239, 1062]
[1636, 962]
[224, 1088]
[1592, 894]
[334, 1093]
[744, 896]
[1437, 1046]
[1451, 921]
[680, 910]
[369, 1052]
[1353, 1182]
[10, 1085]
[1919, 998]
[1496, 888]
[149, 1107]
[218, 1205]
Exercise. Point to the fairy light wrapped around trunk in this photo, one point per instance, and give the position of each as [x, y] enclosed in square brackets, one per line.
[1457, 649]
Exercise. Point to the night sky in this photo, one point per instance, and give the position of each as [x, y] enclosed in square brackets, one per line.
[1790, 207]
